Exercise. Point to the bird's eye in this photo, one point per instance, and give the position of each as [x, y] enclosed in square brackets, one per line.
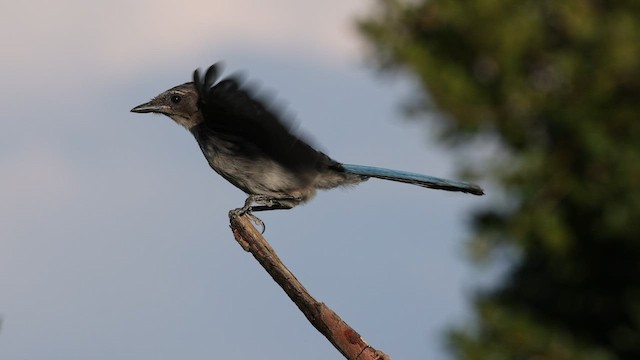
[175, 99]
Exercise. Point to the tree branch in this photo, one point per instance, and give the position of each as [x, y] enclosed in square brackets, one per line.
[327, 322]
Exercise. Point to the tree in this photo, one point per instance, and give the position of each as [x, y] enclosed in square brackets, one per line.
[556, 84]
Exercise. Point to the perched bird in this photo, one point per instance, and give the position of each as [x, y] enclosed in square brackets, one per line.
[251, 146]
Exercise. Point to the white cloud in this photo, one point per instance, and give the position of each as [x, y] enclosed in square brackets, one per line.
[70, 35]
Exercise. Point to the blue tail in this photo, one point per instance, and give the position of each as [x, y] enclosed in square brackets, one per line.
[413, 178]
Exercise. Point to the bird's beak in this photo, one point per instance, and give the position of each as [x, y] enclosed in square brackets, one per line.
[149, 107]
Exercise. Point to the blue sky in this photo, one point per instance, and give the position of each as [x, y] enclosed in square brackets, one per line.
[114, 237]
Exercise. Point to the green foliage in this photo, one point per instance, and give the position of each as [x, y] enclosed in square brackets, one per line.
[512, 334]
[557, 83]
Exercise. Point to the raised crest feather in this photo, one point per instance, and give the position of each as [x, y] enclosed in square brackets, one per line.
[211, 76]
[204, 85]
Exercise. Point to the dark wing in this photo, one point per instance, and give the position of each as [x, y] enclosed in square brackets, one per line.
[233, 113]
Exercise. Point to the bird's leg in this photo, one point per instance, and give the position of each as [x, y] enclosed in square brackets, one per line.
[282, 202]
[267, 203]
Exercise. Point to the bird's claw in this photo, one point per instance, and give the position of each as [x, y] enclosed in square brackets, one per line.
[246, 211]
[256, 221]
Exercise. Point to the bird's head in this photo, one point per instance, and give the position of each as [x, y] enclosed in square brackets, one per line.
[180, 103]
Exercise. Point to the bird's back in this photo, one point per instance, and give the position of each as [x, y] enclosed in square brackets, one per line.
[251, 145]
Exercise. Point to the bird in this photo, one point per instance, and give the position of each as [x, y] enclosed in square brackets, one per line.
[252, 145]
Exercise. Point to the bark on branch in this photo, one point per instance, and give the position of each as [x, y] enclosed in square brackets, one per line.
[327, 322]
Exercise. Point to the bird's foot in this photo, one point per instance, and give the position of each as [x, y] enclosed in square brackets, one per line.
[265, 203]
[246, 211]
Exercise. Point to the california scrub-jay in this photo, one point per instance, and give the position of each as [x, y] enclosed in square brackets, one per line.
[248, 144]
